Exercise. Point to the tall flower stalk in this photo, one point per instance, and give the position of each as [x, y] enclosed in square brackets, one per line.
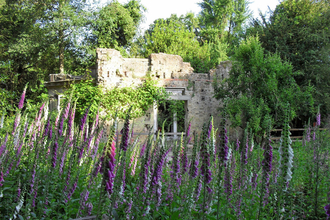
[285, 161]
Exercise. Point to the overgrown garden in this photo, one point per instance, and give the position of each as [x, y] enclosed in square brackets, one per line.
[60, 165]
[53, 167]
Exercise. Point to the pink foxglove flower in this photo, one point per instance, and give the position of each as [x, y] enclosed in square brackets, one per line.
[21, 101]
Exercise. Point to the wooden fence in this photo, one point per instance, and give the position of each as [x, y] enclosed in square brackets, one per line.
[87, 218]
[292, 129]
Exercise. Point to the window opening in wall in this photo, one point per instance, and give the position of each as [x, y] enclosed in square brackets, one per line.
[173, 111]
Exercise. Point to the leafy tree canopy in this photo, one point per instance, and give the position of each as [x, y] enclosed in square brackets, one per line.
[222, 20]
[299, 32]
[115, 25]
[175, 35]
[259, 87]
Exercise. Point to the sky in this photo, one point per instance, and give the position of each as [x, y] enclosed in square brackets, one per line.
[164, 8]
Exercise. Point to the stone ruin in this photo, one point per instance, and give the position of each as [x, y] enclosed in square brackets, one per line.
[177, 77]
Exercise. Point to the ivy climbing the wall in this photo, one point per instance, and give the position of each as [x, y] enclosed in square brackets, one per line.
[140, 98]
[118, 100]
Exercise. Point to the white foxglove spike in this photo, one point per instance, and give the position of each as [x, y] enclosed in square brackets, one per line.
[2, 119]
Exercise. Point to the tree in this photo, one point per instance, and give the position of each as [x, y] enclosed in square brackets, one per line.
[21, 42]
[221, 20]
[299, 32]
[176, 35]
[258, 89]
[115, 25]
[63, 21]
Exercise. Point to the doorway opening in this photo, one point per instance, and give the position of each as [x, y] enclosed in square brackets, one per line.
[172, 114]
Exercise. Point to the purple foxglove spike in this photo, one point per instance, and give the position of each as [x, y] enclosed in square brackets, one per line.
[66, 112]
[209, 131]
[142, 150]
[1, 178]
[237, 144]
[84, 119]
[189, 139]
[40, 111]
[318, 119]
[57, 118]
[50, 132]
[111, 168]
[159, 169]
[195, 168]
[125, 136]
[19, 150]
[198, 191]
[89, 208]
[188, 130]
[21, 101]
[18, 194]
[327, 210]
[60, 130]
[46, 128]
[34, 198]
[134, 166]
[81, 152]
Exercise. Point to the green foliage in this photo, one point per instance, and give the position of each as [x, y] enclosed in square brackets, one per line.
[53, 180]
[166, 112]
[177, 36]
[87, 95]
[115, 25]
[259, 86]
[140, 99]
[115, 101]
[299, 32]
[222, 21]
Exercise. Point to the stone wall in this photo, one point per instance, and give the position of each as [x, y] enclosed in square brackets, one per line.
[112, 70]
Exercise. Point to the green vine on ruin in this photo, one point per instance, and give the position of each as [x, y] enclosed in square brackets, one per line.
[118, 99]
